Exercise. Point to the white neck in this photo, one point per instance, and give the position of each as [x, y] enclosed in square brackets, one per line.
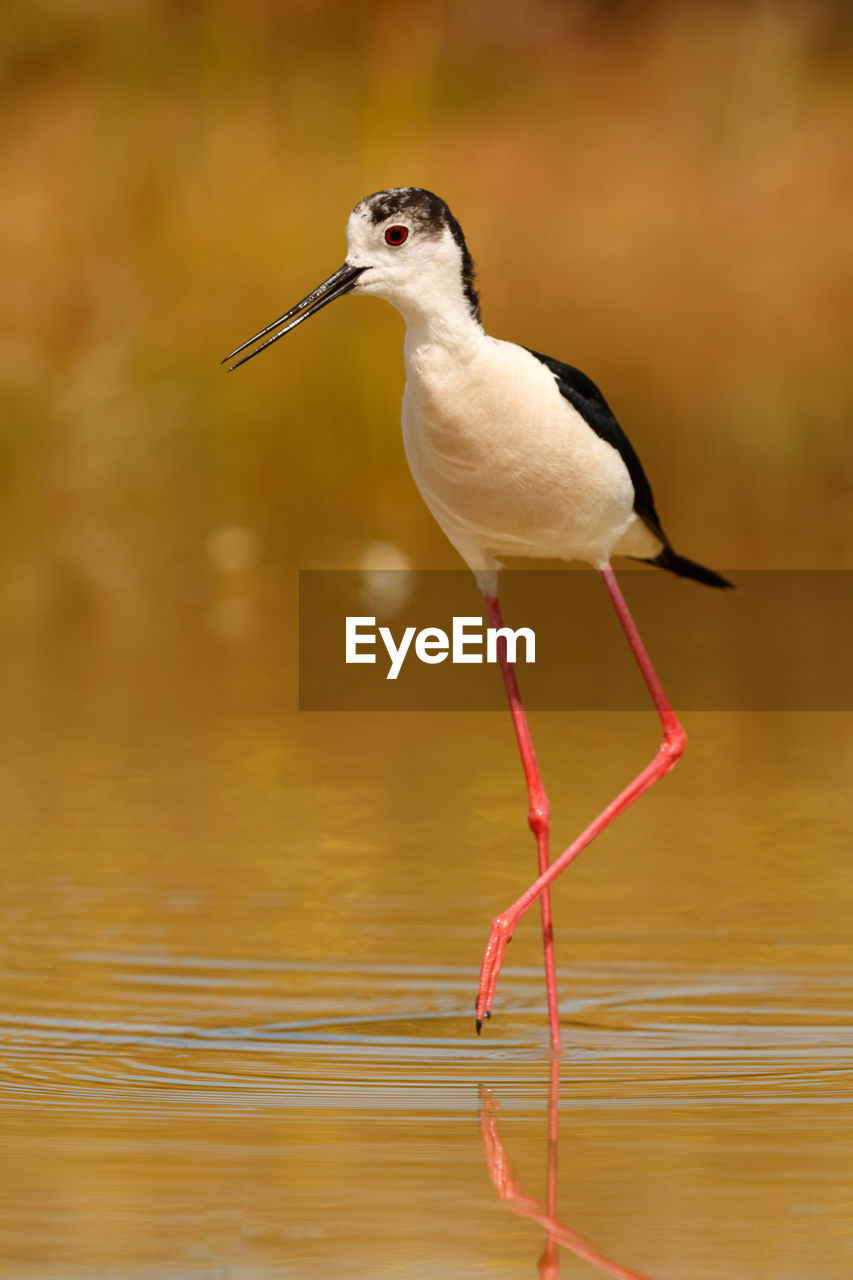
[451, 326]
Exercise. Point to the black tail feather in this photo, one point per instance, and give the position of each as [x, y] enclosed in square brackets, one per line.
[685, 568]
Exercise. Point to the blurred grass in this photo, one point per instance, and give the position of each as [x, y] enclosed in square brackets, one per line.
[660, 194]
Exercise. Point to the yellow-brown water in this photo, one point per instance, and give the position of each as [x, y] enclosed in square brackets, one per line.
[241, 948]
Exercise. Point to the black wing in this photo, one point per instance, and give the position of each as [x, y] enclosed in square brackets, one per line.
[582, 393]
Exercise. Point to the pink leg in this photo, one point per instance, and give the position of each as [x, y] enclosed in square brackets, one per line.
[538, 817]
[667, 757]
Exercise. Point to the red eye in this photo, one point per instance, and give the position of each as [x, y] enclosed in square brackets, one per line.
[396, 235]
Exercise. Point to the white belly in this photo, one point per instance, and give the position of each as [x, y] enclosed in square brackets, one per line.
[506, 465]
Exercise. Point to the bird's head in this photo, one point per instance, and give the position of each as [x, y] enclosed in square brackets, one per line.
[404, 245]
[411, 249]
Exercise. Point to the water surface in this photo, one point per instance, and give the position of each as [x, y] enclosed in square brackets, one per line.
[240, 957]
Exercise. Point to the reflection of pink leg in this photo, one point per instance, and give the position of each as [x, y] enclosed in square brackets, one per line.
[667, 757]
[538, 815]
[526, 1206]
[549, 1263]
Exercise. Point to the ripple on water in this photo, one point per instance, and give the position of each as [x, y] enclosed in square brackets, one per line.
[201, 1034]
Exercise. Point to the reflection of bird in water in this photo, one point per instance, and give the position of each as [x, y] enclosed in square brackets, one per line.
[514, 454]
[557, 1235]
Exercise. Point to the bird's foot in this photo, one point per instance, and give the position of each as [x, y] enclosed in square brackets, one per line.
[502, 927]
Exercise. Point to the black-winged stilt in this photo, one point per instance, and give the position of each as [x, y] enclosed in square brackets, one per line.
[514, 454]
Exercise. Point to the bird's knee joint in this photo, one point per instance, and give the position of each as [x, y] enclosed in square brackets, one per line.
[672, 747]
[539, 816]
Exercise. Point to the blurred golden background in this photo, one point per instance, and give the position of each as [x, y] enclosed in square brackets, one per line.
[658, 193]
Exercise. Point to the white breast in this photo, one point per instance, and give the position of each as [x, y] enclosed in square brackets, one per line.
[506, 465]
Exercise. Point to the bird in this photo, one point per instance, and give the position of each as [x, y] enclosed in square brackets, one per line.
[515, 454]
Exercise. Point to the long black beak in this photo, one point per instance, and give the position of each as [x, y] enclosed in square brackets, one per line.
[336, 286]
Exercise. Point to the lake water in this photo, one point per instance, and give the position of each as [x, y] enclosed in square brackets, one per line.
[241, 951]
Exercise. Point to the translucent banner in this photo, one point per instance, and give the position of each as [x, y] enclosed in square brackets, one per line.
[399, 640]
